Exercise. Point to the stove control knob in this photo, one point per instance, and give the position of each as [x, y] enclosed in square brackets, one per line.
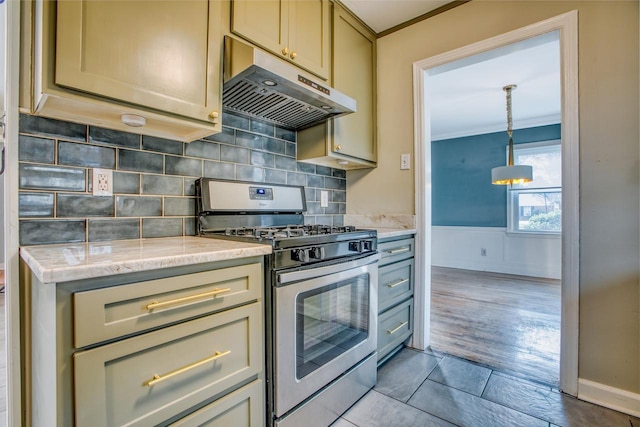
[367, 245]
[301, 255]
[356, 246]
[317, 253]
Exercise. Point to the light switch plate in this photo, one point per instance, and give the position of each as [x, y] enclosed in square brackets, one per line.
[102, 182]
[324, 199]
[405, 161]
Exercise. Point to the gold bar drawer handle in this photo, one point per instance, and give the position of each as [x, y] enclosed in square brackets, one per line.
[398, 283]
[397, 328]
[158, 378]
[399, 250]
[156, 304]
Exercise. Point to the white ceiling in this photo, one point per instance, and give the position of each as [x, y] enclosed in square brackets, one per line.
[381, 15]
[466, 97]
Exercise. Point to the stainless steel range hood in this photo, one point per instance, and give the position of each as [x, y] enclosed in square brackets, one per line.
[261, 85]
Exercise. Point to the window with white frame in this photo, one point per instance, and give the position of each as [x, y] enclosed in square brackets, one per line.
[536, 206]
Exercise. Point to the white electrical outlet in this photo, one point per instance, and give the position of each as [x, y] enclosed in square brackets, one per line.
[324, 199]
[405, 161]
[102, 182]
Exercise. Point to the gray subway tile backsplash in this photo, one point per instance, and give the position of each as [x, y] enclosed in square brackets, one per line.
[34, 149]
[70, 153]
[138, 206]
[249, 173]
[42, 232]
[138, 161]
[35, 204]
[179, 206]
[126, 183]
[113, 229]
[161, 184]
[275, 176]
[153, 178]
[249, 140]
[161, 227]
[234, 154]
[42, 126]
[41, 177]
[113, 137]
[219, 170]
[203, 149]
[262, 127]
[152, 143]
[83, 205]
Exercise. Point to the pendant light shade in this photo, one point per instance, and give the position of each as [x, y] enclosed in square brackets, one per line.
[511, 174]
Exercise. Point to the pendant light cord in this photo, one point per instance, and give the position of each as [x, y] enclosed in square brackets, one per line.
[508, 89]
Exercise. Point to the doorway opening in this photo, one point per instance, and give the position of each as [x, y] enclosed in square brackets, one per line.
[564, 29]
[496, 257]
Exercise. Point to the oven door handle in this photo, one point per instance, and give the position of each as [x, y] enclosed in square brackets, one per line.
[295, 276]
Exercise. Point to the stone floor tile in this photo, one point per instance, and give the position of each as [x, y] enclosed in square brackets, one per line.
[433, 352]
[378, 410]
[401, 376]
[461, 374]
[552, 406]
[464, 409]
[341, 422]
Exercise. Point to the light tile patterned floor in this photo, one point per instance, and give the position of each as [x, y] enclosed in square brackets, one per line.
[421, 389]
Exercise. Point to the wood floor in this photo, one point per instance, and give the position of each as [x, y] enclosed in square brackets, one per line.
[511, 323]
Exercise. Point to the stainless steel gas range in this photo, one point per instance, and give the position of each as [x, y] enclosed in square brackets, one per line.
[321, 298]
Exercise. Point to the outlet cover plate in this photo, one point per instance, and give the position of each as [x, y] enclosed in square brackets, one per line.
[324, 199]
[102, 182]
[405, 161]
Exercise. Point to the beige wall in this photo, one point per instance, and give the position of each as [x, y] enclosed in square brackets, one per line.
[609, 157]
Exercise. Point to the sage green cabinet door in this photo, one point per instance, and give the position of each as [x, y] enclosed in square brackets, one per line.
[354, 73]
[164, 54]
[243, 408]
[147, 379]
[297, 31]
[262, 22]
[394, 326]
[309, 35]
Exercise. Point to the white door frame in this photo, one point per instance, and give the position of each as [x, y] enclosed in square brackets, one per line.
[567, 25]
[11, 28]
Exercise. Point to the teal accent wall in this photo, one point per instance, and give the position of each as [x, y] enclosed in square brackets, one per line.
[462, 193]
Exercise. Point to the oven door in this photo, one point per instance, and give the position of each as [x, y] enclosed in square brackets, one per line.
[325, 322]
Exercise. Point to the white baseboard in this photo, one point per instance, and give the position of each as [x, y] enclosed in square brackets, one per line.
[610, 397]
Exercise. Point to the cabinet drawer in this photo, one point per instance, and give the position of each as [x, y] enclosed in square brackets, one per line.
[151, 377]
[108, 313]
[395, 283]
[394, 326]
[243, 407]
[395, 250]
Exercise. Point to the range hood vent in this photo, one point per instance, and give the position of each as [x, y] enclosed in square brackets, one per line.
[256, 84]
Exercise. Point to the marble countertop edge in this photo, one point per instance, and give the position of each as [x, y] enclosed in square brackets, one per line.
[77, 261]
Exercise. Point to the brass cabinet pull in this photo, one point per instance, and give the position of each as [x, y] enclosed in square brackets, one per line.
[285, 51]
[158, 378]
[156, 304]
[293, 55]
[397, 328]
[338, 147]
[398, 283]
[214, 115]
[399, 250]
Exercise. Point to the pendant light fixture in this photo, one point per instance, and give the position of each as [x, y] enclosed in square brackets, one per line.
[511, 174]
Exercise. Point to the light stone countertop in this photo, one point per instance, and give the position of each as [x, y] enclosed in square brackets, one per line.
[384, 232]
[76, 261]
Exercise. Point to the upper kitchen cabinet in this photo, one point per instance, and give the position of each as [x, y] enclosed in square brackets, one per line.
[158, 62]
[347, 142]
[298, 31]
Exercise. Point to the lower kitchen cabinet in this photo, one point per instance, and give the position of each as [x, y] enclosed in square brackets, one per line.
[193, 355]
[396, 278]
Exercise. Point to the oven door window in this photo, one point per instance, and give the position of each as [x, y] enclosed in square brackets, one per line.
[329, 321]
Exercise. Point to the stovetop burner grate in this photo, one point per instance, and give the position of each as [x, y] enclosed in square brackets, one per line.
[287, 231]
